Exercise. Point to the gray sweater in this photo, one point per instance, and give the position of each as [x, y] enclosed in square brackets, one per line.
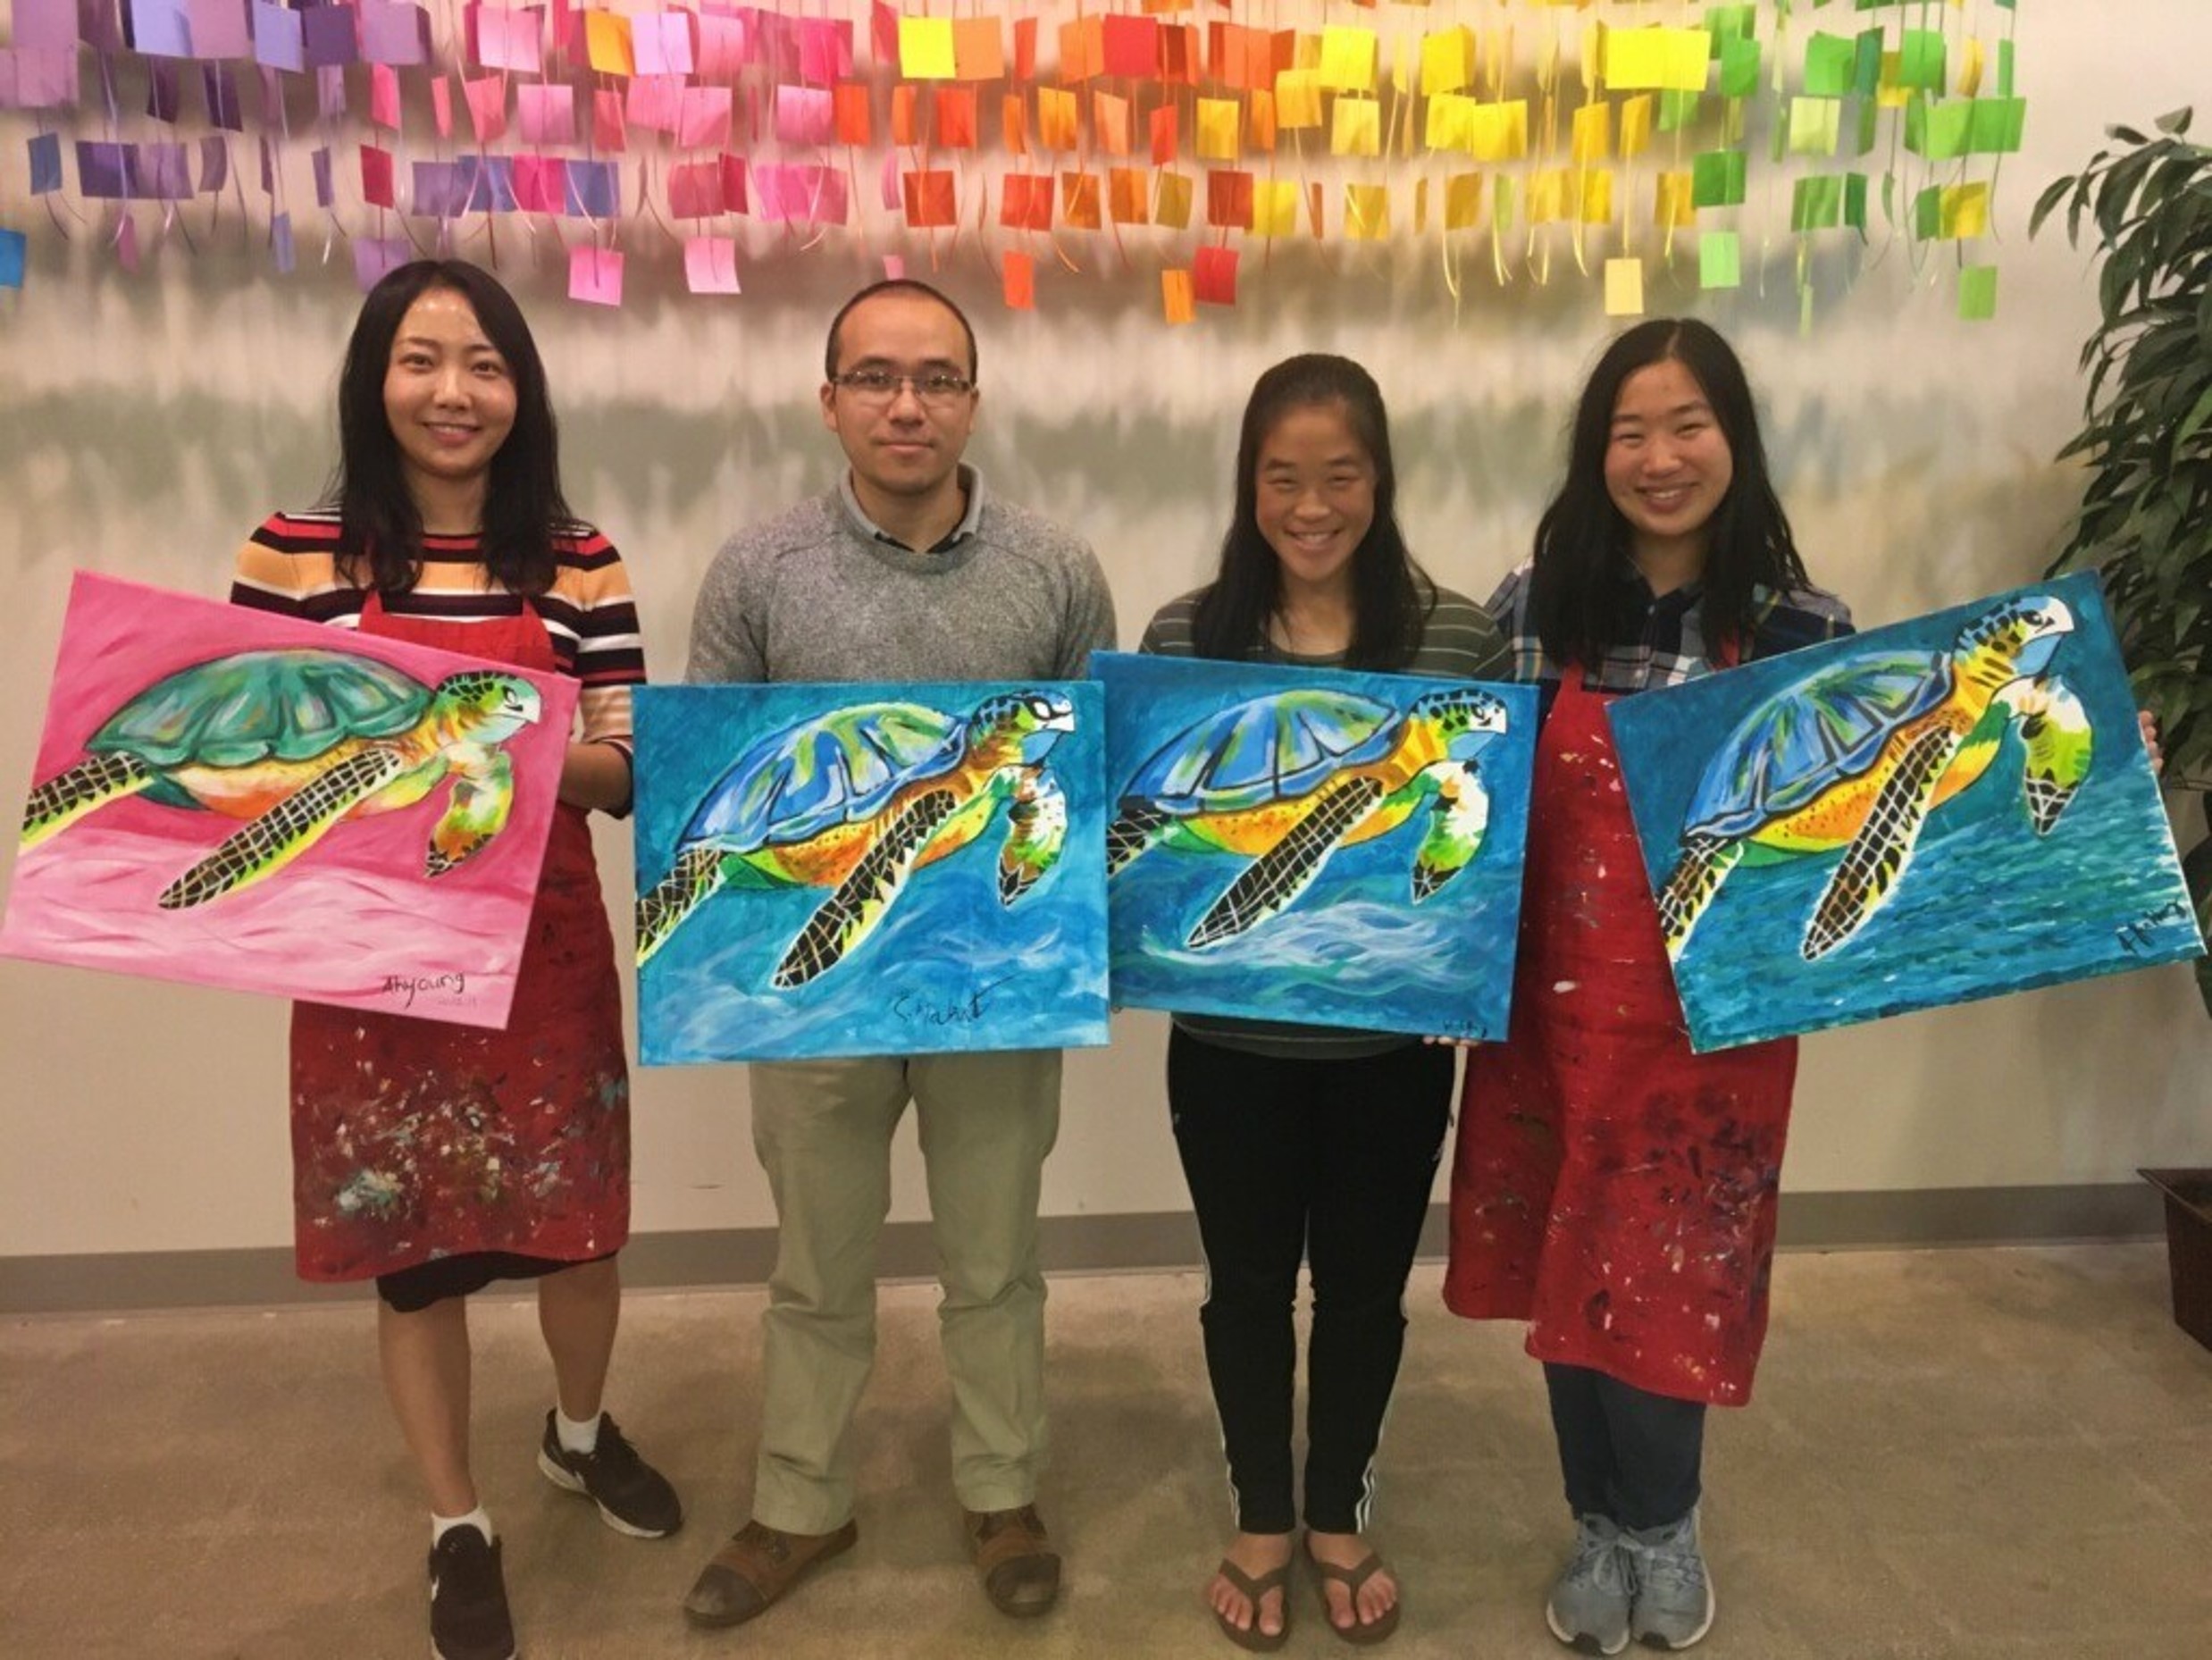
[821, 594]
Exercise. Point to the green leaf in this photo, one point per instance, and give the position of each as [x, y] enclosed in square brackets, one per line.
[2176, 121]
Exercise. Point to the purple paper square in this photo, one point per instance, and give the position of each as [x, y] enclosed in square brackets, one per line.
[268, 166]
[394, 33]
[46, 25]
[164, 88]
[439, 192]
[214, 164]
[101, 171]
[490, 181]
[219, 91]
[158, 29]
[279, 41]
[594, 189]
[100, 25]
[327, 33]
[373, 260]
[330, 93]
[33, 78]
[46, 162]
[13, 246]
[217, 27]
[281, 242]
[159, 172]
[324, 194]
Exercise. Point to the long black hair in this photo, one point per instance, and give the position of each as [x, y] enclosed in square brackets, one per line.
[1391, 596]
[380, 526]
[1578, 603]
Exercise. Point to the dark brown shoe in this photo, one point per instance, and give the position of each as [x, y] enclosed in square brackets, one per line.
[1020, 1568]
[755, 1569]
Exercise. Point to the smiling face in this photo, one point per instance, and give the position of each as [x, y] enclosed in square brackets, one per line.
[449, 399]
[1315, 498]
[1668, 466]
[904, 449]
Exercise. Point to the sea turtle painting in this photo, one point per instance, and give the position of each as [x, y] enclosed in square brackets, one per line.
[1286, 779]
[857, 801]
[295, 741]
[1858, 755]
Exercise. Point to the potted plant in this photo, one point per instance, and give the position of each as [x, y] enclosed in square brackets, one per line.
[2146, 518]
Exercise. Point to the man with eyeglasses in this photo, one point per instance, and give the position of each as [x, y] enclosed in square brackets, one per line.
[907, 570]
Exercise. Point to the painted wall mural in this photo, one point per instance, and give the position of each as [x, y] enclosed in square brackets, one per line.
[902, 868]
[1925, 814]
[244, 801]
[1319, 846]
[1646, 151]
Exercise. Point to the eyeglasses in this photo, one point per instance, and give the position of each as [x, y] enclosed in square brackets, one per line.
[937, 387]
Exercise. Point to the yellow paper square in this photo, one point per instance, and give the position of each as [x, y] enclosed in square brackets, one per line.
[1348, 60]
[1970, 63]
[1624, 288]
[1356, 128]
[1298, 99]
[1218, 124]
[1635, 125]
[1178, 296]
[1463, 201]
[1594, 195]
[1593, 135]
[607, 44]
[1965, 209]
[1173, 208]
[1420, 205]
[1547, 195]
[1658, 59]
[1677, 203]
[1499, 132]
[1815, 124]
[1451, 122]
[1888, 94]
[1367, 211]
[926, 48]
[1275, 208]
[1447, 60]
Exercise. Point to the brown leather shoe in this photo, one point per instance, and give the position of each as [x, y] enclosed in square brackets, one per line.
[755, 1569]
[1020, 1568]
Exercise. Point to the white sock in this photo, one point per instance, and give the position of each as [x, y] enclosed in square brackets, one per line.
[574, 1437]
[478, 1518]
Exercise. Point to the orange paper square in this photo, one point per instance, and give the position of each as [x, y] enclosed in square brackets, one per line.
[1025, 202]
[1014, 124]
[1214, 276]
[956, 117]
[978, 48]
[1126, 194]
[1079, 201]
[855, 122]
[1177, 299]
[929, 202]
[1229, 199]
[1111, 123]
[1019, 275]
[1166, 122]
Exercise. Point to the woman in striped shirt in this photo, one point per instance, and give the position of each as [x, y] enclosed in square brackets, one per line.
[438, 1157]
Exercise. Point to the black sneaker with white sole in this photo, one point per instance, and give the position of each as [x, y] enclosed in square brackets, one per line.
[633, 1497]
[468, 1617]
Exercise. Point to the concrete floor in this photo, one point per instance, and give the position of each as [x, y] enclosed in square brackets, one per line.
[1973, 1454]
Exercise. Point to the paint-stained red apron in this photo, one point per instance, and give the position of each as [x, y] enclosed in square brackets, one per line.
[1609, 1186]
[420, 1139]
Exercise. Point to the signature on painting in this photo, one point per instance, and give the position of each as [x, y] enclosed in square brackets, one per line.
[921, 1010]
[405, 986]
[2137, 937]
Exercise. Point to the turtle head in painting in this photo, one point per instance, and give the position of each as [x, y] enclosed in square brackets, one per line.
[1464, 719]
[1031, 721]
[857, 801]
[484, 707]
[2014, 639]
[295, 741]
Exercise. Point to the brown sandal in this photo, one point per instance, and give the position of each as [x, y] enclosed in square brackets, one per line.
[1252, 1639]
[1352, 1579]
[755, 1569]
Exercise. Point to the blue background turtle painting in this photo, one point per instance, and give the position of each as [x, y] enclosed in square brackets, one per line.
[1214, 767]
[869, 869]
[1943, 809]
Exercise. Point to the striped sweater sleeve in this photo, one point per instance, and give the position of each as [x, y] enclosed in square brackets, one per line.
[591, 599]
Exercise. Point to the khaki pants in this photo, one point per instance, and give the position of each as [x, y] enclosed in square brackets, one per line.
[822, 1132]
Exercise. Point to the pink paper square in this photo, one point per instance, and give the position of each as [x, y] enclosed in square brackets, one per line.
[487, 107]
[695, 189]
[546, 115]
[703, 118]
[441, 105]
[376, 176]
[723, 48]
[540, 184]
[384, 96]
[607, 131]
[218, 29]
[511, 38]
[654, 102]
[710, 264]
[660, 42]
[595, 276]
[804, 115]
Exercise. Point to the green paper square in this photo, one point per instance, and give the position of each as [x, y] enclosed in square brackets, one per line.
[1730, 22]
[1866, 69]
[1863, 140]
[1814, 126]
[1504, 208]
[1677, 109]
[1938, 131]
[1739, 68]
[1977, 293]
[1921, 60]
[1855, 201]
[1817, 203]
[1717, 179]
[1830, 63]
[2004, 69]
[1995, 126]
[1928, 213]
[1720, 260]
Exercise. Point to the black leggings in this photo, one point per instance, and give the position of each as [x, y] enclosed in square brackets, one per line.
[1627, 1453]
[1331, 1161]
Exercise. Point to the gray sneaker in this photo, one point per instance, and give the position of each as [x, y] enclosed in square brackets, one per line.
[1589, 1610]
[1674, 1592]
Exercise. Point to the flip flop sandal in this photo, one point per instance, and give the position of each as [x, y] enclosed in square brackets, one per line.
[1255, 1640]
[1352, 1579]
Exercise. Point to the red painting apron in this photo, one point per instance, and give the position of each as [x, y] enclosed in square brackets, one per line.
[1609, 1186]
[419, 1139]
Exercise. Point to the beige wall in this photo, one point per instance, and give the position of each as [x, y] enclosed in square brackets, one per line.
[145, 426]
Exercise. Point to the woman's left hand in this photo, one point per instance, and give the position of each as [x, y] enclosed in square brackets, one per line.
[596, 777]
[2149, 722]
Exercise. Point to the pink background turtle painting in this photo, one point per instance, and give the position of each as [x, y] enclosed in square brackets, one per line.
[353, 920]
